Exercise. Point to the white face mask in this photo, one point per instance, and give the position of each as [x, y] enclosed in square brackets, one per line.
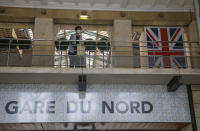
[78, 32]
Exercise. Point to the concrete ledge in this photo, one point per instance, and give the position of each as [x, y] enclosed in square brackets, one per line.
[50, 70]
[96, 75]
[40, 70]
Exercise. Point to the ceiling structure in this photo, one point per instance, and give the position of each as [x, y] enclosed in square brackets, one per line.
[114, 5]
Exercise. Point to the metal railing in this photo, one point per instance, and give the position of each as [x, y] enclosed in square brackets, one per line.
[99, 54]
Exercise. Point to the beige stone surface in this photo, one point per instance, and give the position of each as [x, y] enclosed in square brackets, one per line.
[187, 128]
[105, 17]
[95, 75]
[197, 110]
[187, 48]
[195, 87]
[122, 51]
[198, 123]
[122, 31]
[43, 51]
[143, 50]
[196, 101]
[16, 25]
[196, 97]
[194, 46]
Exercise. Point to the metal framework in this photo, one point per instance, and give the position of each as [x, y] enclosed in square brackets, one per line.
[106, 57]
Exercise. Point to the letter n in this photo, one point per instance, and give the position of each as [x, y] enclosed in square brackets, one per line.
[109, 108]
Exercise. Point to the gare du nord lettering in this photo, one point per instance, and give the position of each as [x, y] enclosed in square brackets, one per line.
[33, 107]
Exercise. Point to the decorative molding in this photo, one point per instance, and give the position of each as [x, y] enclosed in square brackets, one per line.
[121, 5]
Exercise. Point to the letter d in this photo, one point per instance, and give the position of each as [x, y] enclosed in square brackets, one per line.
[146, 104]
[72, 107]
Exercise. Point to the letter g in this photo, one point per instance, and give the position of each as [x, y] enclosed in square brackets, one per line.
[15, 108]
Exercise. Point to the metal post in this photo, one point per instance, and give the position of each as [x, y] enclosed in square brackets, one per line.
[95, 53]
[154, 57]
[60, 54]
[103, 59]
[110, 53]
[61, 59]
[9, 52]
[79, 56]
[89, 59]
[67, 59]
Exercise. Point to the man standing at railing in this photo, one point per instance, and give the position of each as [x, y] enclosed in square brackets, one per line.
[74, 60]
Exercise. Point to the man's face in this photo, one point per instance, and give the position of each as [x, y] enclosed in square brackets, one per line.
[78, 32]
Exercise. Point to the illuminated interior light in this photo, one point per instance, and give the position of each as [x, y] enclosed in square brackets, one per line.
[84, 17]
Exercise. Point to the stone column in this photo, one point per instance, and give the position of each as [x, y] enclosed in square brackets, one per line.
[143, 51]
[122, 52]
[196, 102]
[43, 51]
[187, 48]
[197, 13]
[194, 47]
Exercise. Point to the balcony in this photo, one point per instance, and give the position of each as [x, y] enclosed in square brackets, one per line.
[47, 61]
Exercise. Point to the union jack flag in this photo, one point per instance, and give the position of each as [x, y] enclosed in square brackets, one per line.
[165, 47]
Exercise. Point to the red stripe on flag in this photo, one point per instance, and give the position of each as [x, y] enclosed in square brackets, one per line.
[164, 37]
[155, 52]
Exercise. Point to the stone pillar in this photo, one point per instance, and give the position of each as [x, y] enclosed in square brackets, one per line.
[197, 13]
[194, 47]
[122, 52]
[43, 51]
[187, 48]
[143, 51]
[196, 102]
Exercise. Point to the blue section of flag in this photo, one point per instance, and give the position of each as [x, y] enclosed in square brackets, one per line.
[149, 44]
[172, 31]
[179, 43]
[155, 31]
